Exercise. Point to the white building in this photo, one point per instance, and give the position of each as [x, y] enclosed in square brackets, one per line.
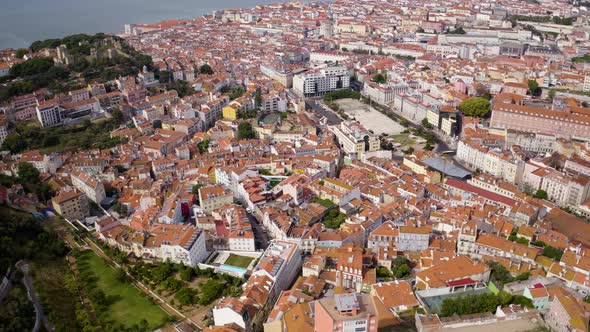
[93, 188]
[354, 139]
[180, 244]
[48, 114]
[383, 93]
[493, 162]
[319, 81]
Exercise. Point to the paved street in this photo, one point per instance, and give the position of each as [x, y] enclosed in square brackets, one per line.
[331, 117]
[260, 236]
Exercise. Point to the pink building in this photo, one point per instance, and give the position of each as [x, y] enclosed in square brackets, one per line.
[346, 312]
[540, 120]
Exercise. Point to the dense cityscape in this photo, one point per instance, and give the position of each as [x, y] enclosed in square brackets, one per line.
[307, 166]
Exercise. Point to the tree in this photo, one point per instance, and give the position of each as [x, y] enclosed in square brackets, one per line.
[120, 275]
[118, 116]
[426, 124]
[476, 107]
[120, 209]
[187, 274]
[402, 271]
[206, 69]
[380, 79]
[551, 94]
[245, 131]
[27, 172]
[541, 194]
[235, 93]
[164, 76]
[534, 89]
[20, 53]
[383, 273]
[203, 146]
[211, 290]
[186, 296]
[14, 143]
[182, 87]
[552, 252]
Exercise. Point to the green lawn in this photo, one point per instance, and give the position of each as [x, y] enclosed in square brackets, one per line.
[239, 261]
[131, 306]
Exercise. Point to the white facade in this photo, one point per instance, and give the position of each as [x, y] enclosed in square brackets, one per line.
[490, 162]
[191, 254]
[241, 243]
[318, 82]
[48, 115]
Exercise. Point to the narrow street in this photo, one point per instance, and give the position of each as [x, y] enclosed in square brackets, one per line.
[261, 238]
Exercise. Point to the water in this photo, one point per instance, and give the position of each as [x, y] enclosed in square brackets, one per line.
[25, 21]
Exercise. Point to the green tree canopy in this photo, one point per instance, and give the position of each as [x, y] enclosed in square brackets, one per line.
[476, 107]
[534, 88]
[20, 53]
[245, 131]
[206, 69]
[380, 79]
[118, 116]
[541, 194]
[27, 172]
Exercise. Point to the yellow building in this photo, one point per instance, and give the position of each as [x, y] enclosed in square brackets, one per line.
[71, 205]
[230, 113]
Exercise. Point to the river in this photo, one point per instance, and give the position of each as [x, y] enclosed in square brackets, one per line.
[25, 21]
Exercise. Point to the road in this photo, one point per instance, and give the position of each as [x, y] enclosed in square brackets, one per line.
[40, 315]
[331, 117]
[260, 236]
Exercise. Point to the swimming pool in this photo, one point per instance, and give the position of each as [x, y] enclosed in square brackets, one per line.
[232, 269]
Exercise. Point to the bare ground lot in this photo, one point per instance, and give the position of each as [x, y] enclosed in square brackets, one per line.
[369, 117]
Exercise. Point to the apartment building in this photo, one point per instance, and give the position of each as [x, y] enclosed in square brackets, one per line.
[181, 244]
[3, 128]
[276, 270]
[443, 274]
[211, 198]
[413, 238]
[495, 246]
[384, 93]
[348, 312]
[496, 162]
[72, 205]
[383, 236]
[354, 139]
[319, 81]
[90, 186]
[467, 238]
[337, 191]
[48, 114]
[566, 190]
[564, 123]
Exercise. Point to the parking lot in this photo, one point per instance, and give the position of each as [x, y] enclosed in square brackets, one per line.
[369, 117]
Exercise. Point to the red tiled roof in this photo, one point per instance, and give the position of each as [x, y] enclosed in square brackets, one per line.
[481, 192]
